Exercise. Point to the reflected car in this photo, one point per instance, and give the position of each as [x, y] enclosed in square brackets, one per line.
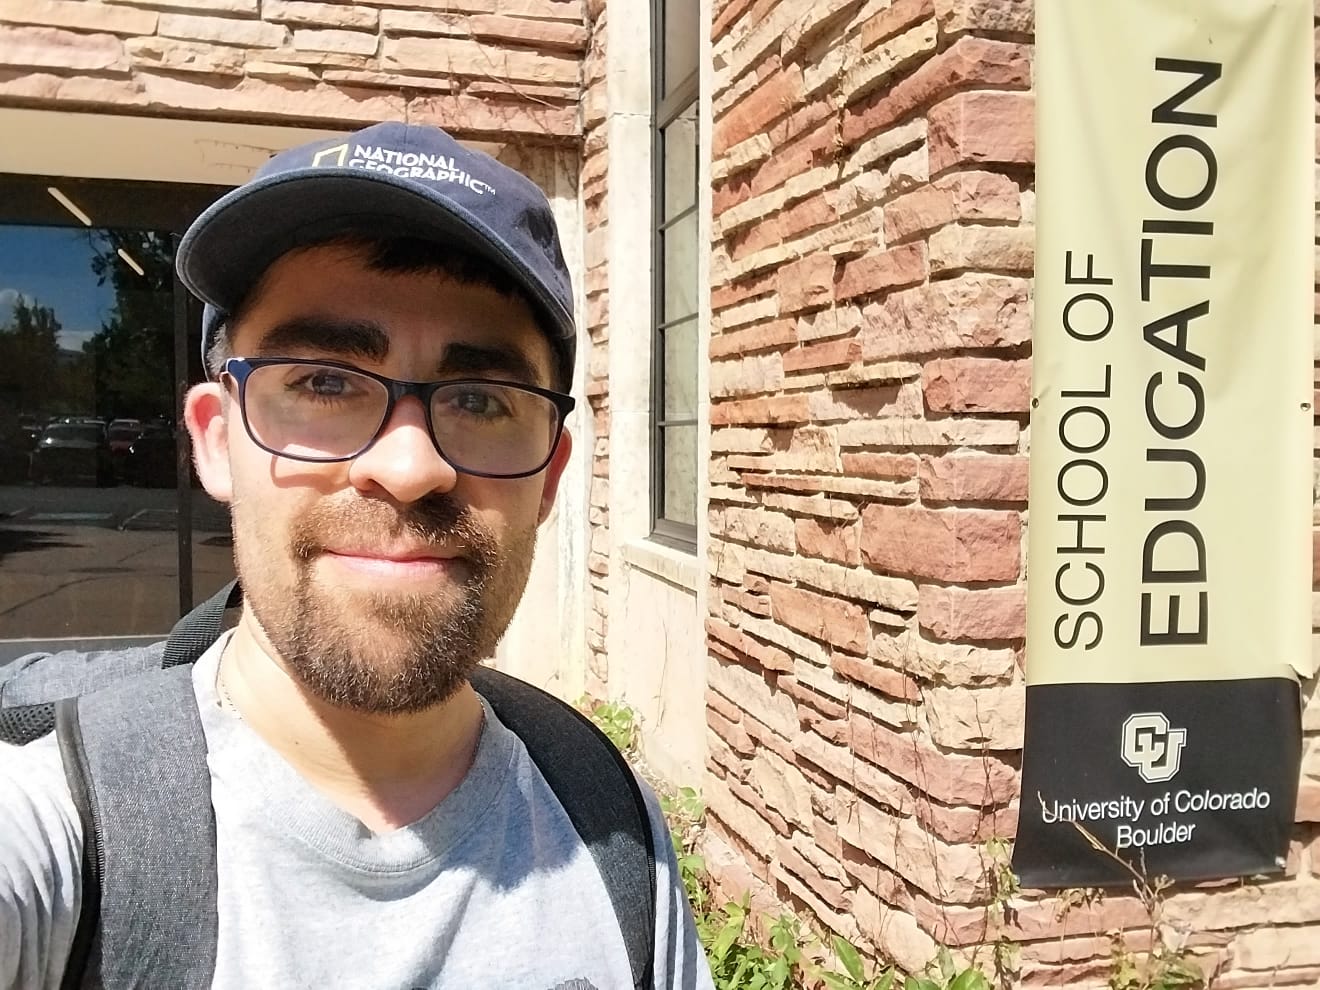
[149, 461]
[122, 433]
[72, 453]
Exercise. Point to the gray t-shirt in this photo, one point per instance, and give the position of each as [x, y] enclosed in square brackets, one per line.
[492, 888]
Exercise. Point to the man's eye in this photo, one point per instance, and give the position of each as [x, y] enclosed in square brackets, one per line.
[327, 383]
[478, 402]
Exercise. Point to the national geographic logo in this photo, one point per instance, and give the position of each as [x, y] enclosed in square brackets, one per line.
[1152, 747]
[405, 164]
[331, 156]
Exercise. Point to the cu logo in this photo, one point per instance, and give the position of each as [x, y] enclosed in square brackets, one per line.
[1151, 747]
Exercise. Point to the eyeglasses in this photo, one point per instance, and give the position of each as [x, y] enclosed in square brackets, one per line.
[323, 411]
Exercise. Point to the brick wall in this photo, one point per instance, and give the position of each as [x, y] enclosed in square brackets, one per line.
[485, 68]
[595, 187]
[870, 368]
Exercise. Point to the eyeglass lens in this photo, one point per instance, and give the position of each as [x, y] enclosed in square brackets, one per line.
[321, 412]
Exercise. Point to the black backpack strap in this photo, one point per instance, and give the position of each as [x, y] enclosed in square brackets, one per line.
[597, 788]
[135, 756]
[195, 632]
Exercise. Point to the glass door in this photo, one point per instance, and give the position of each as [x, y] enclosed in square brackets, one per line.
[105, 535]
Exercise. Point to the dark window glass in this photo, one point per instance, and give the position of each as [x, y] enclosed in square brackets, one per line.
[98, 537]
[675, 257]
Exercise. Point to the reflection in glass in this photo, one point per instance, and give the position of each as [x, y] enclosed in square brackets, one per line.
[680, 460]
[680, 370]
[678, 141]
[88, 506]
[681, 41]
[680, 269]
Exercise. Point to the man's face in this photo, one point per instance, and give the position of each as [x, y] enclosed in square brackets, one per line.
[381, 581]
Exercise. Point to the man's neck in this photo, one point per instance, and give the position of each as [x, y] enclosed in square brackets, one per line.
[386, 770]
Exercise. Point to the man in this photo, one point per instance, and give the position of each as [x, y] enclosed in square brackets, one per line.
[390, 340]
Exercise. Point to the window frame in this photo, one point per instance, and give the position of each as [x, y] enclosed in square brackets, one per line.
[667, 108]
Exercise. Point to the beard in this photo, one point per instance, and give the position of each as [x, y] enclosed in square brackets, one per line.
[381, 653]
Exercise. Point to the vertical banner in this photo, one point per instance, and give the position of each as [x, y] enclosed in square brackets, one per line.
[1169, 559]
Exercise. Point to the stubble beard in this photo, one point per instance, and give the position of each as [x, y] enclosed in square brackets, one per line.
[381, 653]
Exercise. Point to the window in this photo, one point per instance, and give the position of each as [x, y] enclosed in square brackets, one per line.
[104, 532]
[674, 71]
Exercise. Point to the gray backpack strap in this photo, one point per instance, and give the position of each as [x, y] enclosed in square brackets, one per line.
[599, 791]
[135, 756]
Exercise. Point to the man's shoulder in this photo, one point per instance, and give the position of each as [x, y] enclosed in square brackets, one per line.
[39, 678]
[37, 809]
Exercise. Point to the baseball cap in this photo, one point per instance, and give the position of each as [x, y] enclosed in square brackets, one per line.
[392, 179]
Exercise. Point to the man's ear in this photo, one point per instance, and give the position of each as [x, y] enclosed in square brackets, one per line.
[554, 471]
[204, 413]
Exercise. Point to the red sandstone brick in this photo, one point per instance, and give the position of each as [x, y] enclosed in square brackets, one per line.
[745, 289]
[964, 614]
[729, 193]
[894, 19]
[776, 96]
[47, 47]
[797, 156]
[726, 14]
[817, 701]
[830, 354]
[752, 604]
[886, 680]
[766, 656]
[805, 283]
[952, 779]
[829, 541]
[1002, 16]
[778, 410]
[896, 467]
[762, 337]
[958, 196]
[973, 310]
[81, 16]
[876, 273]
[975, 478]
[973, 128]
[821, 616]
[976, 384]
[969, 62]
[810, 214]
[731, 732]
[960, 545]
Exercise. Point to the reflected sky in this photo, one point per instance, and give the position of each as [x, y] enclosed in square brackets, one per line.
[52, 265]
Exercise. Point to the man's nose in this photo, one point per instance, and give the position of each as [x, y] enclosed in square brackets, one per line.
[404, 461]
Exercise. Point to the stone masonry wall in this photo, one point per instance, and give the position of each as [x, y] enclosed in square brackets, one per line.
[492, 69]
[595, 211]
[870, 369]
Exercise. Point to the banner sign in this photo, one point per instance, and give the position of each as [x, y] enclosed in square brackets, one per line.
[1169, 559]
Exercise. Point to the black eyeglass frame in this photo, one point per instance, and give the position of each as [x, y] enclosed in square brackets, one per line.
[239, 369]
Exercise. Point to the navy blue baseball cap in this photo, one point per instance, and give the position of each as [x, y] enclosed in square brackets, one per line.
[392, 179]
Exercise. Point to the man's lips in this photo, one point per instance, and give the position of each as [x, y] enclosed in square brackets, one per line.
[395, 561]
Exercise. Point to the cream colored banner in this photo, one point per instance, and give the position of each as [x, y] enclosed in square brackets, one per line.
[1172, 432]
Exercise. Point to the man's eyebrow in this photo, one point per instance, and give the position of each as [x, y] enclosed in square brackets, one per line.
[341, 338]
[507, 361]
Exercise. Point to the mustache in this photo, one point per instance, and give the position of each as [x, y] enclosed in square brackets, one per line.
[437, 520]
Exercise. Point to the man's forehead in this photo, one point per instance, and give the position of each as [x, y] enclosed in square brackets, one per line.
[487, 317]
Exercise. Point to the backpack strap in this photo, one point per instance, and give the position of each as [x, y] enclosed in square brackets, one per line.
[599, 791]
[135, 757]
[195, 632]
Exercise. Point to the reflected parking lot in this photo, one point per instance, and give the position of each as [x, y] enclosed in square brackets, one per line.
[91, 562]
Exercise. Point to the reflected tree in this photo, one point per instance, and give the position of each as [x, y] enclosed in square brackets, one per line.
[132, 354]
[29, 357]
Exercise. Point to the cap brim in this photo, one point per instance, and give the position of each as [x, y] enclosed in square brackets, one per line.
[239, 236]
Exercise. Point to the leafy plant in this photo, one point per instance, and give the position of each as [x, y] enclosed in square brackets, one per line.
[1167, 964]
[616, 720]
